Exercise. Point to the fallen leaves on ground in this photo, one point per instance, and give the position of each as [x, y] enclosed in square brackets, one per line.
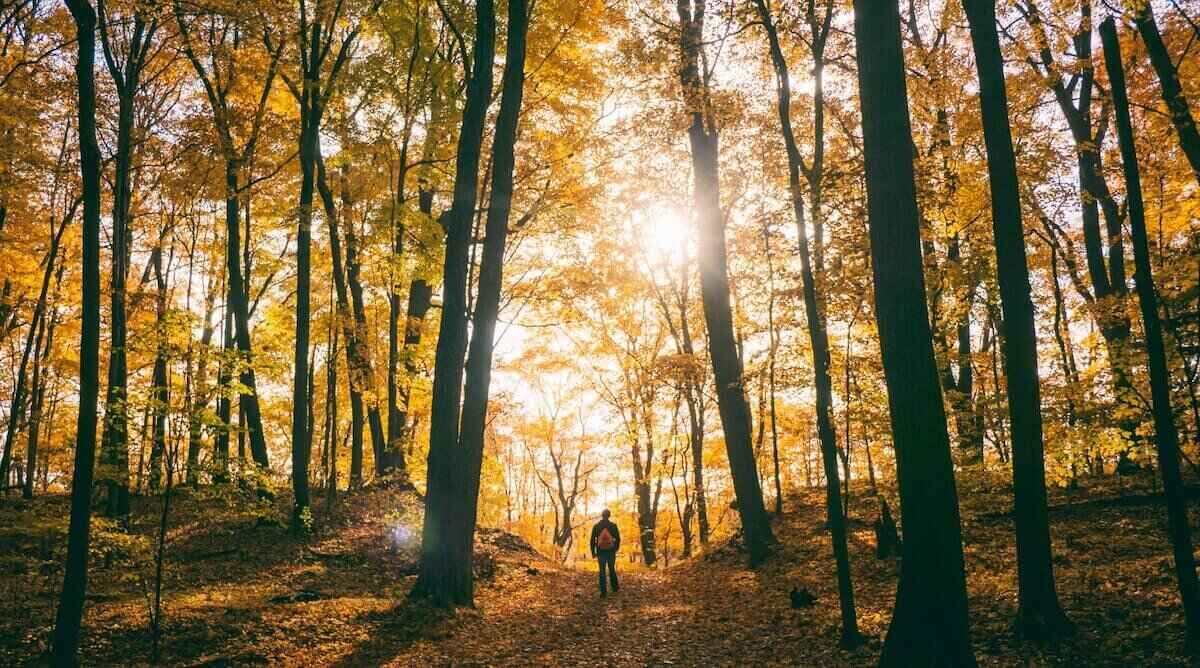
[242, 591]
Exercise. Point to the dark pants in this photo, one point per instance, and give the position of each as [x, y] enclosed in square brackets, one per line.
[607, 559]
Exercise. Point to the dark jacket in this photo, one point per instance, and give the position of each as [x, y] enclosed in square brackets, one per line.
[612, 529]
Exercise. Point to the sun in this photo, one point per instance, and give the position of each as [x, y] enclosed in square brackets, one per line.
[664, 232]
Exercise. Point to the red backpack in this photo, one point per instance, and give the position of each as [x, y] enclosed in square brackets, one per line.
[605, 540]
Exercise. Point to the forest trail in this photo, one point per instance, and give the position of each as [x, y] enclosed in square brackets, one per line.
[697, 613]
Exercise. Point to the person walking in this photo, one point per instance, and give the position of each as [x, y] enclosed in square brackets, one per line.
[606, 540]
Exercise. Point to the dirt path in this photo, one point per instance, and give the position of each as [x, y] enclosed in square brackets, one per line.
[704, 612]
[560, 620]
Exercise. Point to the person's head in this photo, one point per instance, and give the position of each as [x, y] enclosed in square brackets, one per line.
[605, 514]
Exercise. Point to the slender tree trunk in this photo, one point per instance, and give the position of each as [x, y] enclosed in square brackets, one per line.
[239, 304]
[694, 397]
[1172, 91]
[224, 403]
[331, 418]
[161, 391]
[65, 643]
[115, 439]
[714, 286]
[1160, 379]
[929, 625]
[199, 394]
[387, 460]
[445, 576]
[357, 365]
[310, 148]
[1039, 617]
[40, 381]
[819, 339]
[16, 411]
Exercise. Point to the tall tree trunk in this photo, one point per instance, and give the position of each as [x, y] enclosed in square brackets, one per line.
[487, 305]
[114, 440]
[1039, 616]
[199, 390]
[1160, 379]
[310, 148]
[239, 304]
[161, 391]
[714, 286]
[70, 606]
[929, 625]
[445, 575]
[1172, 91]
[387, 460]
[693, 394]
[126, 78]
[818, 338]
[38, 401]
[224, 403]
[331, 418]
[358, 365]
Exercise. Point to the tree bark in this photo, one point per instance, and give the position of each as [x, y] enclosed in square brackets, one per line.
[65, 643]
[1039, 616]
[1172, 91]
[445, 574]
[1160, 379]
[387, 459]
[818, 338]
[714, 286]
[929, 625]
[358, 363]
[487, 305]
[126, 78]
[310, 153]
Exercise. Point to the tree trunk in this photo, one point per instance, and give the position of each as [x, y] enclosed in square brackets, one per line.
[714, 286]
[161, 391]
[32, 342]
[310, 154]
[694, 397]
[199, 392]
[929, 625]
[1039, 616]
[38, 402]
[487, 305]
[1160, 379]
[358, 363]
[446, 576]
[70, 608]
[331, 419]
[1172, 91]
[126, 78]
[647, 518]
[224, 404]
[239, 304]
[387, 459]
[819, 339]
[114, 440]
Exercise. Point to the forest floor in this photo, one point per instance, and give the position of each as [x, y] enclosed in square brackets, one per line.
[240, 590]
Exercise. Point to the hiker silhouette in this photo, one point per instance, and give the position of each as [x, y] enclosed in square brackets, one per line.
[606, 541]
